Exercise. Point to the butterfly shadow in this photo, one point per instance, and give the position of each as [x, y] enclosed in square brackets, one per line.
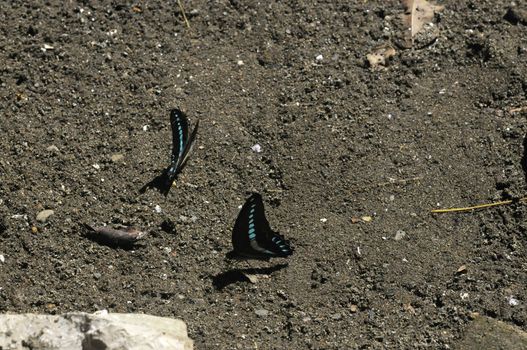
[161, 183]
[224, 279]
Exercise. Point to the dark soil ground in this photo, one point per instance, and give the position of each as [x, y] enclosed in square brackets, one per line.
[440, 126]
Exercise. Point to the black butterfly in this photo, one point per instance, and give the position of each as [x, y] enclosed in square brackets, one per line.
[182, 144]
[252, 237]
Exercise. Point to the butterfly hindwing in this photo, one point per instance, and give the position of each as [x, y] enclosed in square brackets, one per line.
[189, 145]
[252, 235]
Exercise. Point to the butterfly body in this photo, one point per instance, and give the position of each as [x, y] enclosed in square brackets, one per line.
[252, 236]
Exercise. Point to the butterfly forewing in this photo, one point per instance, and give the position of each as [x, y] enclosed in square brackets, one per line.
[182, 143]
[179, 123]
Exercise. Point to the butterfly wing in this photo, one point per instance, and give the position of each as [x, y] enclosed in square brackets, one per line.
[182, 144]
[179, 124]
[252, 236]
[189, 145]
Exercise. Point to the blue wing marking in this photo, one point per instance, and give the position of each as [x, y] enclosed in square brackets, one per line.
[180, 129]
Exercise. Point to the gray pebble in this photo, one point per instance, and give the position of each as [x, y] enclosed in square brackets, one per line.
[261, 312]
[399, 235]
[44, 215]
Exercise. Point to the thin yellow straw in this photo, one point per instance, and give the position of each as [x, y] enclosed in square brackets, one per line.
[183, 12]
[479, 206]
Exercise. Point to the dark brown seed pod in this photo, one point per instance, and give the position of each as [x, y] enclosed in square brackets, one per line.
[123, 237]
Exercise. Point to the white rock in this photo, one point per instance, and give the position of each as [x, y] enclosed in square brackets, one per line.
[257, 148]
[319, 58]
[399, 235]
[102, 330]
[158, 209]
[261, 312]
[513, 301]
[2, 258]
[44, 215]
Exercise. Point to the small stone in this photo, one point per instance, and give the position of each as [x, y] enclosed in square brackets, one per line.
[52, 148]
[251, 278]
[188, 220]
[319, 58]
[473, 315]
[46, 47]
[323, 220]
[513, 301]
[96, 166]
[261, 312]
[2, 259]
[256, 148]
[145, 127]
[117, 157]
[34, 229]
[44, 215]
[336, 316]
[97, 275]
[462, 269]
[366, 218]
[240, 63]
[399, 235]
[354, 308]
[158, 209]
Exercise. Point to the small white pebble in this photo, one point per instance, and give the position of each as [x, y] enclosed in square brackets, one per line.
[240, 63]
[19, 216]
[399, 235]
[158, 209]
[96, 166]
[46, 47]
[463, 296]
[257, 148]
[319, 58]
[2, 259]
[323, 220]
[145, 127]
[513, 301]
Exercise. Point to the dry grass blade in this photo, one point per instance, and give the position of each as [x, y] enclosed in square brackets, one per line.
[479, 206]
[183, 13]
[417, 13]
